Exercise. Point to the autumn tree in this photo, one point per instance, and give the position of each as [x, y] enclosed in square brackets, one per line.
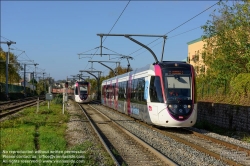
[227, 37]
[120, 70]
[13, 68]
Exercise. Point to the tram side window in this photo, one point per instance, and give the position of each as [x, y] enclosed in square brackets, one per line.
[140, 87]
[107, 92]
[155, 90]
[113, 91]
[134, 95]
[76, 90]
[103, 91]
[110, 90]
[121, 91]
[137, 91]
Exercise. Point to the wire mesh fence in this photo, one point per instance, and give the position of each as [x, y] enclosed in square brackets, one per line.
[13, 88]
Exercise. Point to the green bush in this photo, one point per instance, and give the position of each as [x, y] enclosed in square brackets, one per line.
[58, 99]
[240, 85]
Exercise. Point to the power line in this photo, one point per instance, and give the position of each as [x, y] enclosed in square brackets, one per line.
[161, 41]
[24, 53]
[5, 38]
[170, 38]
[179, 25]
[192, 18]
[110, 29]
[16, 47]
[88, 50]
[117, 20]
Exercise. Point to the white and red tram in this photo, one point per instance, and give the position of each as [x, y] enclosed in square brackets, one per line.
[160, 94]
[82, 92]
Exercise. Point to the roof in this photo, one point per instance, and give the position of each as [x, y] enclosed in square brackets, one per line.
[194, 41]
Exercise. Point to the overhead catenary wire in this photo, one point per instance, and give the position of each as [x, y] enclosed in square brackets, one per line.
[110, 29]
[5, 38]
[169, 38]
[17, 48]
[179, 25]
[117, 20]
[159, 42]
[177, 28]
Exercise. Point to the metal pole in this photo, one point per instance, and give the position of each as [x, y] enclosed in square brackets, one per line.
[98, 86]
[33, 81]
[24, 81]
[7, 66]
[63, 100]
[164, 41]
[37, 108]
[101, 45]
[43, 83]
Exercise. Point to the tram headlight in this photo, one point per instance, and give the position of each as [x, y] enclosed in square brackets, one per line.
[187, 108]
[173, 108]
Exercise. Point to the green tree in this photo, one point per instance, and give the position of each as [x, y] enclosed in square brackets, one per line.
[227, 37]
[120, 70]
[13, 68]
[40, 87]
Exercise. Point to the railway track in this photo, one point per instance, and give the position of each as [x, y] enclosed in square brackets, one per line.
[122, 145]
[221, 150]
[218, 152]
[11, 107]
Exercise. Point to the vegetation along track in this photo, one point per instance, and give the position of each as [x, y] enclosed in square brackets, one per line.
[182, 146]
[11, 107]
[125, 147]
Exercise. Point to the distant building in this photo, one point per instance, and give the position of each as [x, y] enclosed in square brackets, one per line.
[31, 76]
[28, 85]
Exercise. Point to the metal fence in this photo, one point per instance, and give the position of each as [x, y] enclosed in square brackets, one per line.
[13, 88]
[206, 89]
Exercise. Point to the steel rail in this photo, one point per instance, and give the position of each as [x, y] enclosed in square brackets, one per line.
[19, 108]
[99, 136]
[140, 141]
[231, 146]
[197, 147]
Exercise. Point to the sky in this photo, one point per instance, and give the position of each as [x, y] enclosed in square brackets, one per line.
[54, 33]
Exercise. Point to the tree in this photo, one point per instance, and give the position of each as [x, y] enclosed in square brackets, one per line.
[120, 70]
[13, 69]
[227, 37]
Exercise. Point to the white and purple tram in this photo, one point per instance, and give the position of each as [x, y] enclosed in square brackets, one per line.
[82, 92]
[160, 94]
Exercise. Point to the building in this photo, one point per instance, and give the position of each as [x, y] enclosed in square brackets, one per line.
[195, 48]
[31, 76]
[28, 85]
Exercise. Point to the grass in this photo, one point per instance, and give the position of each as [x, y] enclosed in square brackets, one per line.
[34, 136]
[14, 138]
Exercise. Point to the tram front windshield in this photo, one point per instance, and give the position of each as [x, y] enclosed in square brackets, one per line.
[177, 83]
[83, 89]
